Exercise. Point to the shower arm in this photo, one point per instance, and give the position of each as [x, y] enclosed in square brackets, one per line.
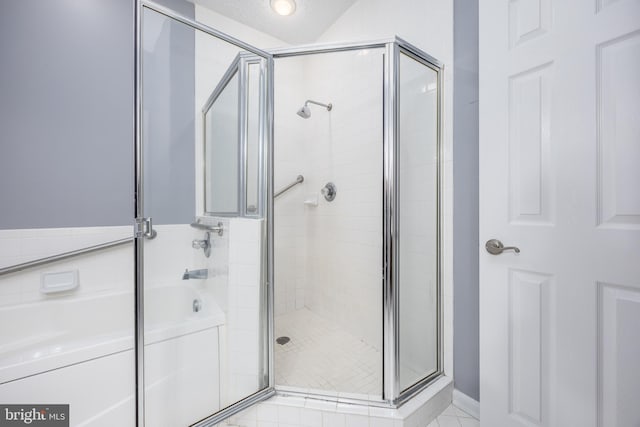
[328, 106]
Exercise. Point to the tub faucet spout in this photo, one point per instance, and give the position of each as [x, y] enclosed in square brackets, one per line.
[195, 274]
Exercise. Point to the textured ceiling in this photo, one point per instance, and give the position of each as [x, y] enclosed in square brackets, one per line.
[311, 19]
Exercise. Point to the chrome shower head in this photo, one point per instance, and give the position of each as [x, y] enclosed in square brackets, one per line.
[305, 111]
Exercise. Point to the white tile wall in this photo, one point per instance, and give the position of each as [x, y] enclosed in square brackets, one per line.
[289, 159]
[328, 257]
[110, 269]
[170, 253]
[243, 321]
[166, 258]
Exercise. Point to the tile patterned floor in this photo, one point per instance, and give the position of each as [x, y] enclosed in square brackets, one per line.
[322, 356]
[454, 417]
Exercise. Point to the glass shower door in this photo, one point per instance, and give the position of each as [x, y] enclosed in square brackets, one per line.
[419, 211]
[204, 273]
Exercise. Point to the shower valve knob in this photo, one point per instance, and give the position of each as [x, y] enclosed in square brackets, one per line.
[329, 191]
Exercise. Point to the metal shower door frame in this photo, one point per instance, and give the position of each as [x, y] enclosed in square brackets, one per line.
[392, 393]
[265, 199]
[397, 395]
[240, 68]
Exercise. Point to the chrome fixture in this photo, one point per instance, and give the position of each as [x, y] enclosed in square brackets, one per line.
[305, 111]
[495, 247]
[196, 305]
[195, 274]
[329, 191]
[63, 256]
[218, 229]
[144, 228]
[299, 180]
[204, 244]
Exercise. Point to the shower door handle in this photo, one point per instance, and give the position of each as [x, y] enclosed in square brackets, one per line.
[149, 232]
[495, 247]
[144, 228]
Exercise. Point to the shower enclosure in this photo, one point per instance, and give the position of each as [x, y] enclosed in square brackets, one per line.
[356, 256]
[332, 288]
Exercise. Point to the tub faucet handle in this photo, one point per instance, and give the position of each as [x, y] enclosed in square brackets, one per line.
[204, 244]
[198, 244]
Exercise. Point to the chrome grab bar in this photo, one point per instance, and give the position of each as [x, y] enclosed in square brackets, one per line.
[299, 180]
[42, 261]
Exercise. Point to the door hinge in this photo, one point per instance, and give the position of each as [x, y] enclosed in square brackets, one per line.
[144, 228]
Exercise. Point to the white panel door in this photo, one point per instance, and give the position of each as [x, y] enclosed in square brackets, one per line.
[560, 179]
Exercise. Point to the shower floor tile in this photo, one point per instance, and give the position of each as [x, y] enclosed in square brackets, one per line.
[322, 356]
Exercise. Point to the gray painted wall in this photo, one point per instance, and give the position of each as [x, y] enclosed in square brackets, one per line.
[169, 118]
[66, 113]
[465, 199]
[66, 116]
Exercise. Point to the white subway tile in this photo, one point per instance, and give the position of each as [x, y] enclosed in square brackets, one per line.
[333, 419]
[289, 415]
[267, 412]
[381, 422]
[310, 418]
[352, 420]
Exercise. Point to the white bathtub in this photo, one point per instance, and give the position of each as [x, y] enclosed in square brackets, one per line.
[63, 331]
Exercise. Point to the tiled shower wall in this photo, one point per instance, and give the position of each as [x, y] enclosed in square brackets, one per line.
[344, 146]
[328, 254]
[241, 346]
[290, 159]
